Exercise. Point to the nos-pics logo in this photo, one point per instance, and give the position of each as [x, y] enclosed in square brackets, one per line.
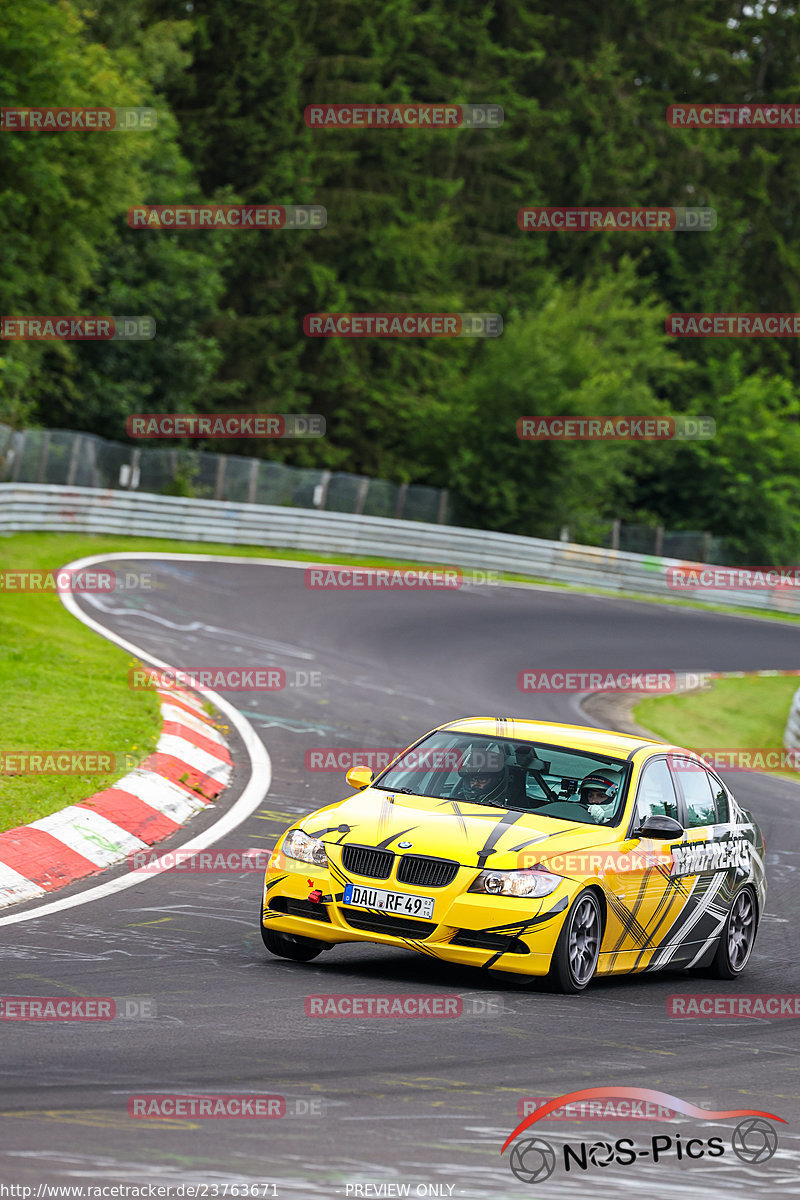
[534, 1159]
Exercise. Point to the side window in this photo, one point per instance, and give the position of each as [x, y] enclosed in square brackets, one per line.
[656, 793]
[696, 785]
[721, 807]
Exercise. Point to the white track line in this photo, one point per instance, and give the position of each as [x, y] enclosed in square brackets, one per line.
[260, 764]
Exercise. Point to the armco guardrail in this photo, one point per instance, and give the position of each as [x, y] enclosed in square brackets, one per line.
[791, 737]
[41, 507]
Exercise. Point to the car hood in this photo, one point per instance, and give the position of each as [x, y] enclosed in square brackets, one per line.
[471, 834]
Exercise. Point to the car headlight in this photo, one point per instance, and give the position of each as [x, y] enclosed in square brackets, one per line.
[530, 882]
[307, 849]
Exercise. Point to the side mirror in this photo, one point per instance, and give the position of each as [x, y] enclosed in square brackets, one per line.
[665, 829]
[359, 777]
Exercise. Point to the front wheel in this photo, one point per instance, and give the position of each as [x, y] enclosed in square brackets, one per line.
[290, 945]
[578, 947]
[737, 937]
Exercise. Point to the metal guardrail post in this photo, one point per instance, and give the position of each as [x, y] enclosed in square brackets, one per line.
[252, 482]
[321, 490]
[18, 449]
[72, 470]
[219, 487]
[361, 497]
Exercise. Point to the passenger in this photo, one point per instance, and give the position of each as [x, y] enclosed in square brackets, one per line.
[599, 792]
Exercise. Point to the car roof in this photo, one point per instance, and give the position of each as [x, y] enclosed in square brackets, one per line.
[575, 737]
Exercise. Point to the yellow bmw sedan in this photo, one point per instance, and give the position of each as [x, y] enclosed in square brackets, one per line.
[527, 847]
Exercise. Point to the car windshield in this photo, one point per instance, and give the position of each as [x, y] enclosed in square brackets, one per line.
[505, 773]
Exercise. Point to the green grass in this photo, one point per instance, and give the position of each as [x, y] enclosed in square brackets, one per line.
[64, 687]
[745, 713]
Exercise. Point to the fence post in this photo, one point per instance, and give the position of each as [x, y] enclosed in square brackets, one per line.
[659, 545]
[252, 483]
[361, 496]
[220, 484]
[402, 492]
[92, 458]
[615, 528]
[73, 460]
[321, 490]
[441, 516]
[17, 463]
[40, 474]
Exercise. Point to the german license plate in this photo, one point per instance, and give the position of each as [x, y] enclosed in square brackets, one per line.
[390, 902]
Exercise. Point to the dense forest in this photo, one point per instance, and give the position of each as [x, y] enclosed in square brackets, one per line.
[422, 220]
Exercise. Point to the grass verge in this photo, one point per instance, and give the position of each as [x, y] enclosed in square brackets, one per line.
[747, 713]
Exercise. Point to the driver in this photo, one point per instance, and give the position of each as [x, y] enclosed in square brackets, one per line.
[483, 777]
[599, 792]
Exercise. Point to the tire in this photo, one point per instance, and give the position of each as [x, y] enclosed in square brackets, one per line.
[578, 947]
[737, 936]
[290, 945]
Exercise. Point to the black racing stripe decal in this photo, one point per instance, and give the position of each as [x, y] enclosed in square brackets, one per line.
[691, 901]
[457, 813]
[341, 829]
[508, 818]
[630, 914]
[517, 927]
[542, 837]
[514, 930]
[271, 882]
[385, 813]
[338, 874]
[386, 843]
[631, 926]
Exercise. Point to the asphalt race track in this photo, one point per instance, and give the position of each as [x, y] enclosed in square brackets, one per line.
[426, 1102]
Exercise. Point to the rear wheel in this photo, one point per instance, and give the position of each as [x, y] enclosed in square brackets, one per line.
[578, 947]
[290, 945]
[737, 937]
